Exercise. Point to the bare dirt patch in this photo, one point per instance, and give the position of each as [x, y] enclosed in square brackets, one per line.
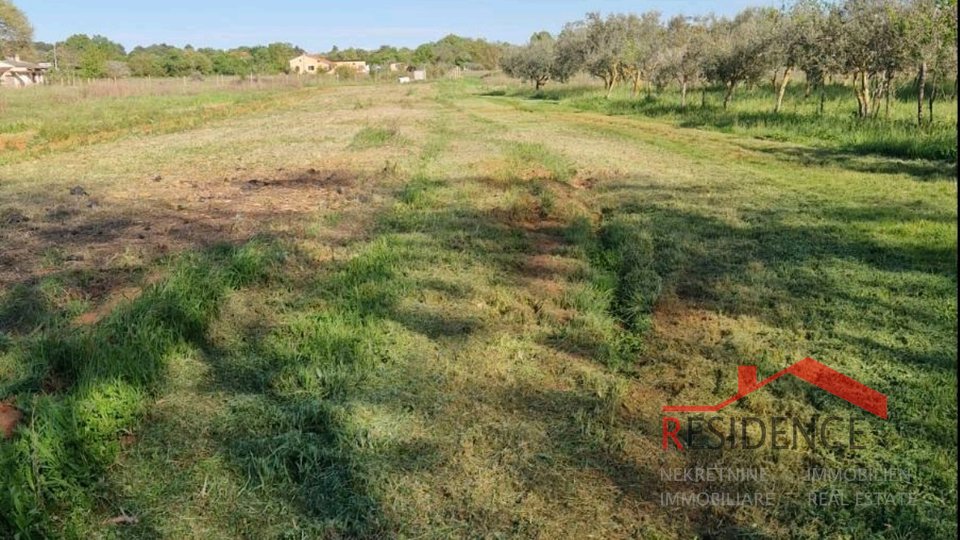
[683, 324]
[10, 416]
[82, 229]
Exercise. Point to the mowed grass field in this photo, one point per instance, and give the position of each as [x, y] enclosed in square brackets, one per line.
[434, 311]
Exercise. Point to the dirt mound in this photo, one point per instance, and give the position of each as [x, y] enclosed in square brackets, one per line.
[335, 179]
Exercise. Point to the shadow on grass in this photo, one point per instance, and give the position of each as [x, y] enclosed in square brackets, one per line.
[296, 388]
[920, 169]
[83, 387]
[835, 278]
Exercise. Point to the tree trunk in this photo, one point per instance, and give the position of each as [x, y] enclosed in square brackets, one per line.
[865, 84]
[921, 83]
[783, 89]
[877, 95]
[636, 84]
[933, 95]
[861, 86]
[886, 98]
[683, 95]
[613, 82]
[727, 95]
[858, 93]
[823, 97]
[703, 97]
[538, 83]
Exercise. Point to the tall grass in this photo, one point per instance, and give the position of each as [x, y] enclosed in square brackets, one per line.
[892, 133]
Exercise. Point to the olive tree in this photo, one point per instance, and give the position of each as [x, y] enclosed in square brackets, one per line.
[532, 62]
[595, 45]
[931, 31]
[16, 34]
[685, 46]
[873, 48]
[816, 43]
[643, 51]
[740, 50]
[570, 50]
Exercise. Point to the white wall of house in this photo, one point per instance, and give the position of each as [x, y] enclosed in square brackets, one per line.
[17, 74]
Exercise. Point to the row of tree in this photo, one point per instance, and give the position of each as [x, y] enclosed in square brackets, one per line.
[867, 44]
[97, 57]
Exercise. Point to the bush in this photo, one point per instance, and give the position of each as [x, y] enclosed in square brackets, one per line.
[345, 73]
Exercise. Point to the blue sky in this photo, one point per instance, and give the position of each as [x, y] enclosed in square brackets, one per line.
[318, 25]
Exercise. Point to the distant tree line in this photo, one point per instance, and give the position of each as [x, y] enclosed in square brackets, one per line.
[99, 57]
[866, 44]
[94, 57]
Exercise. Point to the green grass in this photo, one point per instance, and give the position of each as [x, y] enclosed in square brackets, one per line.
[524, 156]
[374, 137]
[751, 113]
[105, 376]
[476, 340]
[54, 118]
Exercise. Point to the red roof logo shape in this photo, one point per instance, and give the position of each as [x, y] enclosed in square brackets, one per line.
[809, 370]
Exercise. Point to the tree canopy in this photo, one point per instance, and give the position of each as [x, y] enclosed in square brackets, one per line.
[16, 34]
[868, 43]
[92, 57]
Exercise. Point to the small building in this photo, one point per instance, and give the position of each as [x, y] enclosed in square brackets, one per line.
[311, 64]
[361, 67]
[397, 67]
[420, 75]
[18, 74]
[314, 63]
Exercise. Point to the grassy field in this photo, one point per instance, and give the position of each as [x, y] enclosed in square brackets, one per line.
[448, 310]
[59, 117]
[893, 133]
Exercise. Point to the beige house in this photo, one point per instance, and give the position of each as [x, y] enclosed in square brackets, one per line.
[314, 63]
[18, 74]
[310, 64]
